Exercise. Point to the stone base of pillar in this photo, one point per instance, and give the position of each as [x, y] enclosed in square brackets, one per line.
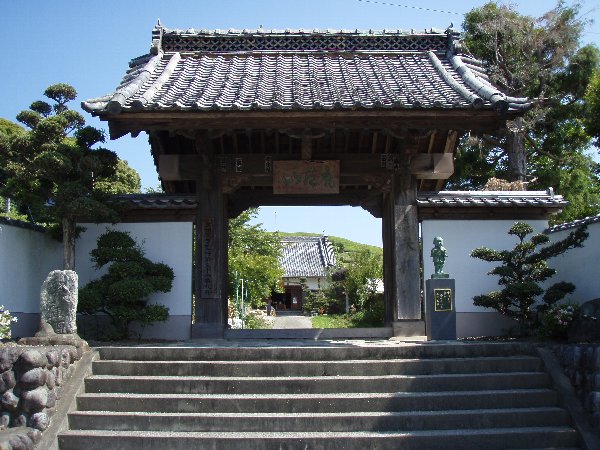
[202, 331]
[409, 328]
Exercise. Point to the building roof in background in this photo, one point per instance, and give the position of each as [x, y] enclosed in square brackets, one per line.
[574, 224]
[306, 256]
[201, 70]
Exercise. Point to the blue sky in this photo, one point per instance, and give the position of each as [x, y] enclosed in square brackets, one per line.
[88, 44]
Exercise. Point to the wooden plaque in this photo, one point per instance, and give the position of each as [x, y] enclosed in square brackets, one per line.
[306, 177]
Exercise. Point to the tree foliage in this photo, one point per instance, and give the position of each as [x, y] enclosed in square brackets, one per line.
[550, 146]
[253, 256]
[359, 276]
[125, 180]
[523, 269]
[122, 293]
[592, 98]
[55, 169]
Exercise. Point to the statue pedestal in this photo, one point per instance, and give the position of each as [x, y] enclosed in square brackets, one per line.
[440, 311]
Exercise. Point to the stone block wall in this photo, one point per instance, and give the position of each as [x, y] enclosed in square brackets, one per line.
[31, 381]
[581, 364]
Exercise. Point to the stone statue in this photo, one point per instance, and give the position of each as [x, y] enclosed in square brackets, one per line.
[58, 301]
[58, 308]
[439, 255]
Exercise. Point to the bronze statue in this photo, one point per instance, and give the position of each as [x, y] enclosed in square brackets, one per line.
[439, 255]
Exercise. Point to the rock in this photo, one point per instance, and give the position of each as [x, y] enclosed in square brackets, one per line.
[51, 402]
[16, 443]
[39, 421]
[58, 301]
[74, 355]
[4, 420]
[35, 400]
[58, 375]
[594, 401]
[35, 435]
[45, 329]
[8, 356]
[65, 358]
[10, 401]
[53, 358]
[8, 378]
[33, 378]
[31, 359]
[50, 380]
[26, 441]
[20, 420]
[586, 326]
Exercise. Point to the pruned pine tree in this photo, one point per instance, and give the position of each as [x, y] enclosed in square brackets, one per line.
[522, 271]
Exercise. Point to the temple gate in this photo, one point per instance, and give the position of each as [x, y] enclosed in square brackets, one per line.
[249, 118]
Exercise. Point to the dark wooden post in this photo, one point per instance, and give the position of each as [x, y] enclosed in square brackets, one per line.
[211, 251]
[401, 255]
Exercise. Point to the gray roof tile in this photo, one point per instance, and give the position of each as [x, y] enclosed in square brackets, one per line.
[299, 70]
[498, 199]
[574, 224]
[306, 256]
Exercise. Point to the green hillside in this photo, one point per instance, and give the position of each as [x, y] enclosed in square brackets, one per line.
[348, 247]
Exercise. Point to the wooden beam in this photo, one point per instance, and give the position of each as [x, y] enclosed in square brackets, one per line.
[244, 199]
[433, 166]
[464, 120]
[187, 167]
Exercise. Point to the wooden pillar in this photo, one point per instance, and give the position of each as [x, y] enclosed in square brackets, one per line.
[401, 255]
[211, 275]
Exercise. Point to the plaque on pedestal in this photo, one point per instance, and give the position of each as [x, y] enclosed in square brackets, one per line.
[440, 309]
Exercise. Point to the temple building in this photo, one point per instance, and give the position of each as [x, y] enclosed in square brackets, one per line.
[306, 117]
[305, 261]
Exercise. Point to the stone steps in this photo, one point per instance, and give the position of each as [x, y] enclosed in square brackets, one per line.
[275, 368]
[351, 396]
[315, 385]
[495, 438]
[322, 422]
[326, 403]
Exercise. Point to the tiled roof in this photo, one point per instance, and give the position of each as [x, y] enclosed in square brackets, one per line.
[21, 224]
[496, 199]
[302, 70]
[155, 201]
[574, 224]
[306, 256]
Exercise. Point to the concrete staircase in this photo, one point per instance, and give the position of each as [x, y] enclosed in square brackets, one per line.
[344, 396]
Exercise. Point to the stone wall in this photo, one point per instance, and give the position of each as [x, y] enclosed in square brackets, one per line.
[31, 381]
[581, 364]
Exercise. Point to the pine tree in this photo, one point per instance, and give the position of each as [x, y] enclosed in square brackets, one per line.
[523, 269]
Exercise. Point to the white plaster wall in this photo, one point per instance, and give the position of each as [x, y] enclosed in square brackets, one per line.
[26, 258]
[313, 283]
[166, 242]
[580, 266]
[460, 238]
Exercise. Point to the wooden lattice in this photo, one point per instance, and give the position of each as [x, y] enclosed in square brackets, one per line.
[314, 42]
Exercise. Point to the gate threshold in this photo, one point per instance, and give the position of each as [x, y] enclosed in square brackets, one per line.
[312, 333]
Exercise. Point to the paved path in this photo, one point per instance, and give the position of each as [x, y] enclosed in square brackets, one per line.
[285, 320]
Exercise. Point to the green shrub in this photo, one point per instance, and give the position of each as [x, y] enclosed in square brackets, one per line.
[371, 317]
[122, 293]
[255, 321]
